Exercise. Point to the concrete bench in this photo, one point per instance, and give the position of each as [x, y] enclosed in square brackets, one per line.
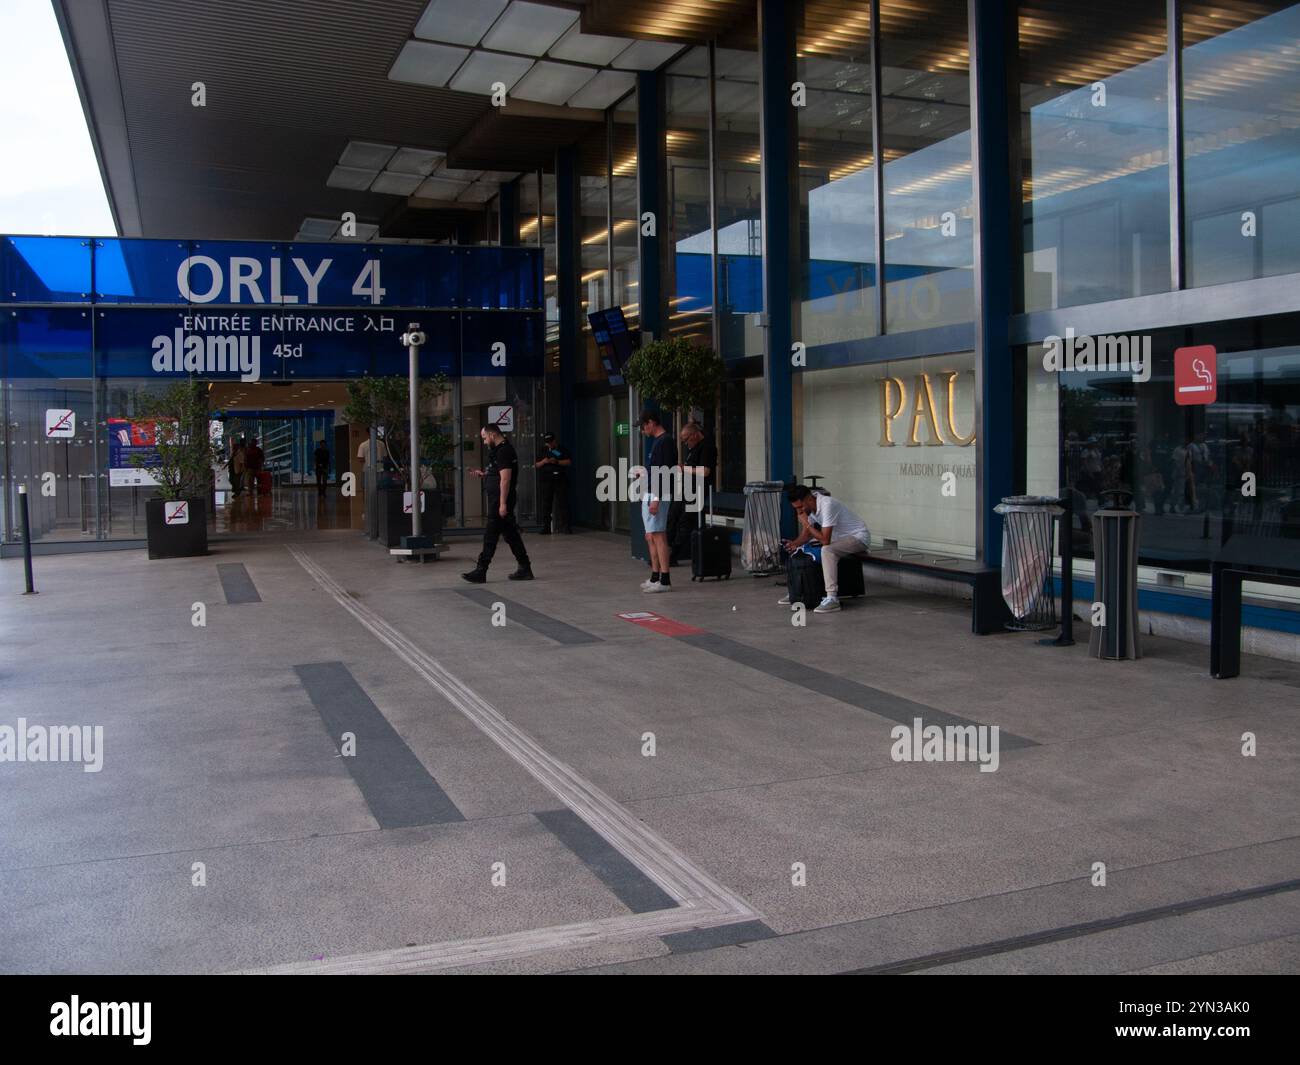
[989, 613]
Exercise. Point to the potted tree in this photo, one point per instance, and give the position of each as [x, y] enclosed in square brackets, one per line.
[677, 374]
[383, 402]
[181, 464]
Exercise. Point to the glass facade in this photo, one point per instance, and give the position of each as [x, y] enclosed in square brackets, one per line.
[690, 234]
[925, 123]
[132, 316]
[1095, 152]
[1241, 135]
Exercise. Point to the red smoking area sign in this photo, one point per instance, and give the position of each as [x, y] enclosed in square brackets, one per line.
[1196, 375]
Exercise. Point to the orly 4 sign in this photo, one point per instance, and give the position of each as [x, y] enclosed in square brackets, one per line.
[245, 279]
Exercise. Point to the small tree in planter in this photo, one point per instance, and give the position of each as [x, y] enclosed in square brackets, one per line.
[679, 375]
[182, 467]
[384, 402]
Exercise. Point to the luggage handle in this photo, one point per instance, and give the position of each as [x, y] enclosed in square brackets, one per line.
[699, 521]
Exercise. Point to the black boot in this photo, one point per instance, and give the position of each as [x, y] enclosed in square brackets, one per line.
[475, 576]
[523, 573]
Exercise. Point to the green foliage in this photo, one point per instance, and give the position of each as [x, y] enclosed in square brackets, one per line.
[678, 374]
[186, 453]
[384, 402]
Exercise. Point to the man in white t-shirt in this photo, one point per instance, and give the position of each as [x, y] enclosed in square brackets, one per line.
[841, 533]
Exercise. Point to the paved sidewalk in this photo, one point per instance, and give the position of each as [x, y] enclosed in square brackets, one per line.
[498, 808]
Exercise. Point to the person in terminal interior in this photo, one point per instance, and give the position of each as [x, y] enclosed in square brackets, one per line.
[656, 501]
[321, 460]
[825, 520]
[552, 478]
[236, 466]
[500, 480]
[253, 459]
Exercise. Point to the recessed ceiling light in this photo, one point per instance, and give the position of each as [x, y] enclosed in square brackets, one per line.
[439, 188]
[529, 28]
[425, 63]
[396, 184]
[579, 47]
[482, 70]
[414, 161]
[458, 21]
[645, 55]
[551, 83]
[603, 89]
[366, 155]
[350, 177]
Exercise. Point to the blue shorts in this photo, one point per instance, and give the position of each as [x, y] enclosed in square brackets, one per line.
[655, 523]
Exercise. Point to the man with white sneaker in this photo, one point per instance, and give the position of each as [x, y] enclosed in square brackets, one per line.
[823, 519]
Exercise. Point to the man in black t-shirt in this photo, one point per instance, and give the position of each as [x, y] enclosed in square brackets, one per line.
[656, 501]
[500, 481]
[699, 457]
[552, 479]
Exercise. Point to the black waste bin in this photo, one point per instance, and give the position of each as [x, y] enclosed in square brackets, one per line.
[1115, 550]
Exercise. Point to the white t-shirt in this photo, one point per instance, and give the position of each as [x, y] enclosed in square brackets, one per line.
[842, 522]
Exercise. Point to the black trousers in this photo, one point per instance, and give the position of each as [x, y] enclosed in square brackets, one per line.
[498, 527]
[679, 530]
[321, 477]
[555, 497]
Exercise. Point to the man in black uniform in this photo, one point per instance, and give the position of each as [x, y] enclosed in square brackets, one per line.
[699, 457]
[500, 479]
[552, 479]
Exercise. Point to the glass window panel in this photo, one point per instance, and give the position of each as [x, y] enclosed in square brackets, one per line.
[739, 202]
[1241, 139]
[925, 119]
[1094, 142]
[690, 300]
[837, 194]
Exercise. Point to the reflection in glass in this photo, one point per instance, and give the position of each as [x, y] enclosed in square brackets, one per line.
[925, 120]
[690, 300]
[1241, 140]
[1095, 177]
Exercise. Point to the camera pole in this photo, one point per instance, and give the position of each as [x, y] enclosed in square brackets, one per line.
[412, 339]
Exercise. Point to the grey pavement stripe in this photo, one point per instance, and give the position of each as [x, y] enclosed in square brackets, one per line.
[398, 789]
[552, 628]
[885, 704]
[634, 889]
[727, 935]
[236, 583]
[1075, 931]
[701, 900]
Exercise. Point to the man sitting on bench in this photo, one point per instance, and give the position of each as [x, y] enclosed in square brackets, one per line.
[840, 532]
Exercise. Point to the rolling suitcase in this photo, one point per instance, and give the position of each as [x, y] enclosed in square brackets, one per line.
[710, 550]
[264, 482]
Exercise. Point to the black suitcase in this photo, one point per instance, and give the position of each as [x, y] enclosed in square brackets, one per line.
[710, 550]
[806, 585]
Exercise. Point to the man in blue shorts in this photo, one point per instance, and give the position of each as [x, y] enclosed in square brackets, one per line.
[656, 501]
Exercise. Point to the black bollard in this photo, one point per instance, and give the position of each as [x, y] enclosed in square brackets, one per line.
[1066, 639]
[27, 539]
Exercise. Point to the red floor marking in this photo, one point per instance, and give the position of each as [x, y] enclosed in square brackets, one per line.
[663, 625]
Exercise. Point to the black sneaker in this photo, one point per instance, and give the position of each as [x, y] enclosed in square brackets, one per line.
[475, 576]
[523, 573]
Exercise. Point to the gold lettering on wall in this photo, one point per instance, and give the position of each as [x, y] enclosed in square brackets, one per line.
[953, 435]
[893, 403]
[923, 406]
[889, 411]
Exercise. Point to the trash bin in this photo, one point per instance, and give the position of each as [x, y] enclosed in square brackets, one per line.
[760, 544]
[1027, 554]
[1115, 543]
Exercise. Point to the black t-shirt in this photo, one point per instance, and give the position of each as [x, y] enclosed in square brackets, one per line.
[663, 456]
[501, 457]
[322, 456]
[705, 454]
[558, 452]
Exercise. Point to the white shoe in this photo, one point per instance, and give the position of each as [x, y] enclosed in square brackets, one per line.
[646, 583]
[659, 587]
[784, 601]
[827, 606]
